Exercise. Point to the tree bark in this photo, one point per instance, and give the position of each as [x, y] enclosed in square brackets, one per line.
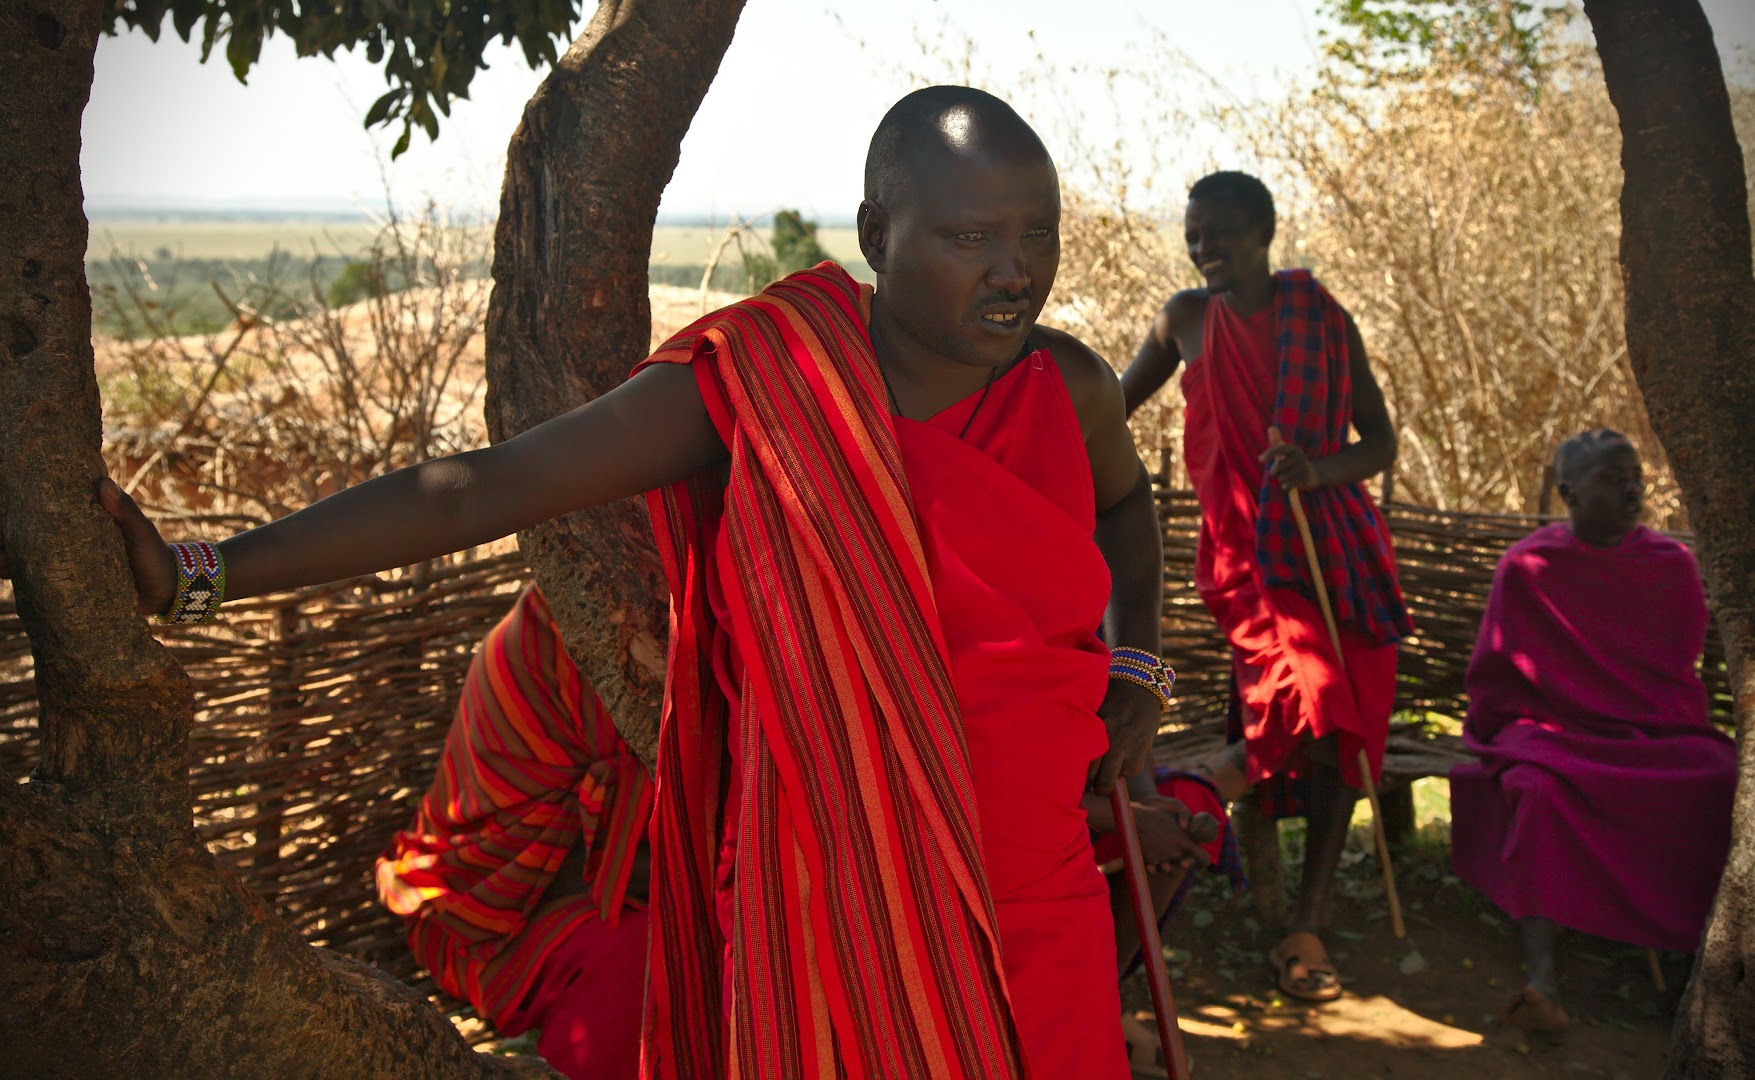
[569, 315]
[1685, 257]
[125, 950]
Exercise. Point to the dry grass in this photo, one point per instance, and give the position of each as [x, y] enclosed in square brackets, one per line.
[247, 424]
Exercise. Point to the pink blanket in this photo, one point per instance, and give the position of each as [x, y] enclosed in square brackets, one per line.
[1602, 797]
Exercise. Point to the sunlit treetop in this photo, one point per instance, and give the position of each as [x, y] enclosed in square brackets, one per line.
[1383, 41]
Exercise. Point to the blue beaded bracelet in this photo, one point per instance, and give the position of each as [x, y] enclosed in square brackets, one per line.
[1143, 669]
[200, 583]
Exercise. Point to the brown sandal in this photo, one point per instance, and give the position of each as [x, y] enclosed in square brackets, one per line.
[1533, 1011]
[1305, 972]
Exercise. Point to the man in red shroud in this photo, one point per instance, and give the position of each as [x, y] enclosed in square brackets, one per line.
[1275, 377]
[523, 874]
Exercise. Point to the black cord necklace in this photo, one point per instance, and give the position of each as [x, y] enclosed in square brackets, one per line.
[896, 406]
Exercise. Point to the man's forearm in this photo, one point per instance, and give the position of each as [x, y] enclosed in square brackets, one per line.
[1359, 461]
[1133, 545]
[392, 520]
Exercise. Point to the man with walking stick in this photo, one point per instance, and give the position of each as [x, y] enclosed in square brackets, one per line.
[1276, 379]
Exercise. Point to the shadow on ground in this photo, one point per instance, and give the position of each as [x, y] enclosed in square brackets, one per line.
[1425, 1007]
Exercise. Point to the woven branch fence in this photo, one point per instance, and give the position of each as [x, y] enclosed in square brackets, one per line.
[320, 713]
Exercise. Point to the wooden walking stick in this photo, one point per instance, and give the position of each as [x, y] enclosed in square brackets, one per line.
[1334, 637]
[1146, 921]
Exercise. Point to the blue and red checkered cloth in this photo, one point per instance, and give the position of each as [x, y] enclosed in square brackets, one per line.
[1313, 408]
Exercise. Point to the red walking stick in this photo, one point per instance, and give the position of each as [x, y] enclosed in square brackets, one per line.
[1151, 948]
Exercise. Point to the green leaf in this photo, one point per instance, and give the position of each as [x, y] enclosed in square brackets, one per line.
[381, 109]
[185, 14]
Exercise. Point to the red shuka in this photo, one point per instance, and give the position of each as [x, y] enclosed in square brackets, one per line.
[532, 766]
[1291, 687]
[888, 632]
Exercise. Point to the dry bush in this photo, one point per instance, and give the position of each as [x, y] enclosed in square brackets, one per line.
[1465, 210]
[270, 414]
[1468, 217]
[1116, 268]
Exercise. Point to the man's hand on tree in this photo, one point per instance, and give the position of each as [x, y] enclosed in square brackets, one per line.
[155, 569]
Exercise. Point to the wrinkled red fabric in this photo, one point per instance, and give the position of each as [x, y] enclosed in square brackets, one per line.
[1292, 689]
[586, 1000]
[1006, 516]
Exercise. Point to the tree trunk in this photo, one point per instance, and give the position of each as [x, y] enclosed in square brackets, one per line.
[1685, 257]
[125, 950]
[569, 316]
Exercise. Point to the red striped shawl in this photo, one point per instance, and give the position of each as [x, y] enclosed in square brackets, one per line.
[531, 767]
[864, 942]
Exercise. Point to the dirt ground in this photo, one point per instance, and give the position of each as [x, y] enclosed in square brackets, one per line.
[1425, 1007]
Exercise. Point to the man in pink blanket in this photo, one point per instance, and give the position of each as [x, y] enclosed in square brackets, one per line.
[1601, 800]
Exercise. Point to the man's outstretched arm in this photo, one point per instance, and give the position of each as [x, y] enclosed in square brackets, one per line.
[651, 431]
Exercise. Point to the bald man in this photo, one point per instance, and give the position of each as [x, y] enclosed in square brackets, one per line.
[1601, 800]
[893, 523]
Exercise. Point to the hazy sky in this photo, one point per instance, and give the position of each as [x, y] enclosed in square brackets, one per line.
[785, 124]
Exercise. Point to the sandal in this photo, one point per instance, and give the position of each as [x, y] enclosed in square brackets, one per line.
[1533, 1011]
[1305, 972]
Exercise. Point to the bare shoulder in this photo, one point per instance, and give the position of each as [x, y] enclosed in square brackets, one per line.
[1090, 381]
[1180, 321]
[1186, 310]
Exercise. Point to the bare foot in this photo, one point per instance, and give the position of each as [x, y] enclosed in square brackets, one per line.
[1145, 1053]
[1532, 1010]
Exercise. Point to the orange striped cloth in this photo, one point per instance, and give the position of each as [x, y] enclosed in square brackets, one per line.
[863, 934]
[532, 767]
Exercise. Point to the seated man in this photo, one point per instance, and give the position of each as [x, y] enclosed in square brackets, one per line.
[523, 875]
[1182, 825]
[1602, 797]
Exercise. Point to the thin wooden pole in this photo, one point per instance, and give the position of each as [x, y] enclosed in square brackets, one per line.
[1145, 917]
[1657, 970]
[1334, 637]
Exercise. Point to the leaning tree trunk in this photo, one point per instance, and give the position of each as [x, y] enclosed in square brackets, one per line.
[570, 317]
[125, 949]
[1685, 260]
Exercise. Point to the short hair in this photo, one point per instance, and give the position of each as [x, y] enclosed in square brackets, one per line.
[1573, 454]
[913, 125]
[1241, 190]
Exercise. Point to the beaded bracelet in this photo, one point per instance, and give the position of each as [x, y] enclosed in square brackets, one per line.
[200, 583]
[1144, 670]
[1148, 683]
[1144, 663]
